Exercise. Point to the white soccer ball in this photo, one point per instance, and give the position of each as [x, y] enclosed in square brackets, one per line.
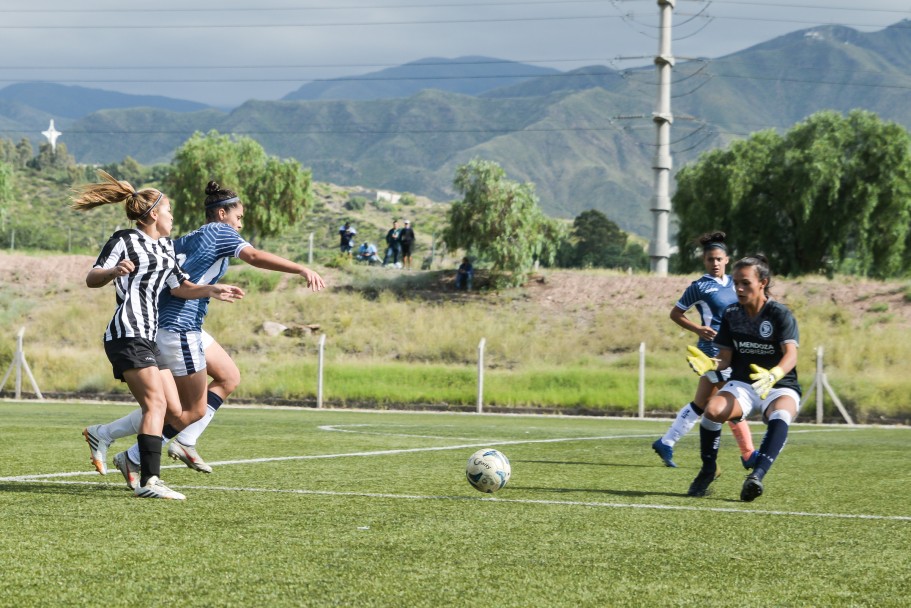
[488, 470]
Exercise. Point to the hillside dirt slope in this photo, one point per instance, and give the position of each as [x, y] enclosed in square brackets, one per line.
[554, 291]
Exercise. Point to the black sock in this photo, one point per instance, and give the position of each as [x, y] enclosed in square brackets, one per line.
[696, 408]
[169, 432]
[776, 436]
[149, 457]
[708, 445]
[214, 400]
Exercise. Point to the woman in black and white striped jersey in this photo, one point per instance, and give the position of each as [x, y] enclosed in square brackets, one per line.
[141, 263]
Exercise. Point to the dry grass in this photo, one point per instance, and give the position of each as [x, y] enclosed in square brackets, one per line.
[569, 323]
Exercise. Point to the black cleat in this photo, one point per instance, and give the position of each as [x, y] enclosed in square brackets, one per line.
[700, 485]
[752, 488]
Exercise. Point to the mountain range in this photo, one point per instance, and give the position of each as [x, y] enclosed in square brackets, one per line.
[584, 137]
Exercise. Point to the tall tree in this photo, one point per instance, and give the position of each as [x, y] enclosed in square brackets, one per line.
[500, 220]
[600, 242]
[23, 152]
[6, 182]
[276, 193]
[832, 193]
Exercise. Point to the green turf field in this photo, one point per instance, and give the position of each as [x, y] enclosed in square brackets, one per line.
[319, 508]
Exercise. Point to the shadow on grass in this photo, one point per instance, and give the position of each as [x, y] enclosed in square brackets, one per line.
[90, 489]
[588, 464]
[623, 493]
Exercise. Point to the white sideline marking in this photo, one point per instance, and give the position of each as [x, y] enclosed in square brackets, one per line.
[55, 478]
[341, 428]
[347, 454]
[382, 452]
[524, 501]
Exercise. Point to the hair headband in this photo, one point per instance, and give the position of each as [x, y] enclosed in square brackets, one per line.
[155, 204]
[714, 245]
[228, 201]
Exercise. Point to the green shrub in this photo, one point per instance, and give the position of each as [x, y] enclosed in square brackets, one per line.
[355, 203]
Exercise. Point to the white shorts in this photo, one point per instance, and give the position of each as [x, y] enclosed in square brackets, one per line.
[183, 352]
[749, 400]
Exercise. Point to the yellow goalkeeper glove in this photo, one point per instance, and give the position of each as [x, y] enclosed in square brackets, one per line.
[764, 379]
[699, 361]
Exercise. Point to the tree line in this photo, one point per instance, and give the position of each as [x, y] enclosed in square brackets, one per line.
[498, 222]
[833, 194]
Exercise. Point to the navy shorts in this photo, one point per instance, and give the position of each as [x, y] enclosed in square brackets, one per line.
[131, 353]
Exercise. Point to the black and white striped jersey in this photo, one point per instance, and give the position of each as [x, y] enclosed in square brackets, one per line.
[137, 293]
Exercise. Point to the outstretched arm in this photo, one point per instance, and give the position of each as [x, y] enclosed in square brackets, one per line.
[191, 291]
[270, 261]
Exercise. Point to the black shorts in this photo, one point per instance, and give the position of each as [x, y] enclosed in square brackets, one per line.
[131, 353]
[406, 248]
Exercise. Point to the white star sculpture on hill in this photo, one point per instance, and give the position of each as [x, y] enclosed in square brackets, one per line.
[52, 134]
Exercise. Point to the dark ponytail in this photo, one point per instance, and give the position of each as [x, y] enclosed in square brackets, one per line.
[713, 240]
[218, 197]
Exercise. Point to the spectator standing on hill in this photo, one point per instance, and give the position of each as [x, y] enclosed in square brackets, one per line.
[393, 245]
[758, 340]
[141, 262]
[710, 295]
[190, 352]
[346, 238]
[406, 237]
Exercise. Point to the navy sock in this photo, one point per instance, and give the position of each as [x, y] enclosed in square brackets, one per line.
[696, 408]
[149, 457]
[708, 445]
[776, 436]
[214, 400]
[169, 432]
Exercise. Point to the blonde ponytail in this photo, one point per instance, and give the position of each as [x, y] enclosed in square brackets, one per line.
[111, 191]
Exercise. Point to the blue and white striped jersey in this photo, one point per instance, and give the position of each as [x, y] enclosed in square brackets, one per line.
[203, 254]
[137, 293]
[710, 296]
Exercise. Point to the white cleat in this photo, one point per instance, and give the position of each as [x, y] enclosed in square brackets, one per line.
[97, 447]
[155, 488]
[189, 456]
[129, 470]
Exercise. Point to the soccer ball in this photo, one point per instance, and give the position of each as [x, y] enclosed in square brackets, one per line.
[488, 470]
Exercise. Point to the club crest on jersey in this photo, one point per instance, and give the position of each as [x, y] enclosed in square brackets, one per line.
[765, 329]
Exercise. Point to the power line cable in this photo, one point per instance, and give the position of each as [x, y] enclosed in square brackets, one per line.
[312, 65]
[827, 8]
[332, 7]
[211, 26]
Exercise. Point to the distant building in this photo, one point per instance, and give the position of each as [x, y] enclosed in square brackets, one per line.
[375, 196]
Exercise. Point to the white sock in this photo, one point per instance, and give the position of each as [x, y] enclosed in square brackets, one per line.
[133, 453]
[122, 427]
[684, 422]
[190, 435]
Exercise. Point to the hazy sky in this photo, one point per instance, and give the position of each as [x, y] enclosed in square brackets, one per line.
[223, 53]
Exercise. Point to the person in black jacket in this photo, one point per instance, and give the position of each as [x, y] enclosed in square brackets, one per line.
[393, 245]
[406, 238]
